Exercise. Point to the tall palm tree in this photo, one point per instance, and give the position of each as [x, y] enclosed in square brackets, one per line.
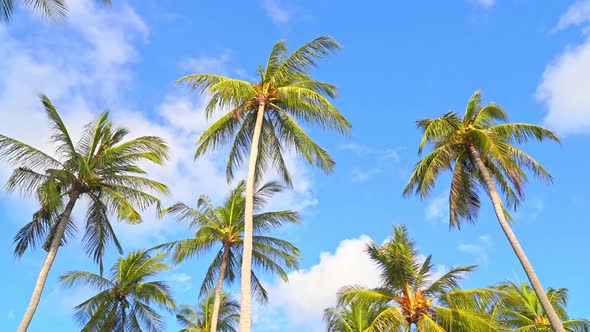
[200, 318]
[261, 118]
[101, 167]
[479, 149]
[415, 296]
[521, 310]
[52, 9]
[223, 226]
[355, 316]
[124, 301]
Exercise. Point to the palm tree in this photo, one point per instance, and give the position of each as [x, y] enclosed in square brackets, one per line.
[414, 295]
[52, 9]
[200, 318]
[355, 316]
[479, 149]
[223, 226]
[101, 167]
[124, 302]
[521, 310]
[262, 118]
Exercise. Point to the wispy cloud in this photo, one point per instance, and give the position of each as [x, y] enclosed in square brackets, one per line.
[484, 3]
[363, 175]
[479, 248]
[577, 14]
[379, 153]
[277, 11]
[438, 208]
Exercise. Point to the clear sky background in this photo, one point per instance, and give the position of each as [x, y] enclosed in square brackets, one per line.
[401, 61]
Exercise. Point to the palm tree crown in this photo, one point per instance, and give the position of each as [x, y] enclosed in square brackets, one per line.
[487, 130]
[286, 93]
[223, 226]
[198, 319]
[414, 295]
[124, 301]
[521, 310]
[356, 316]
[102, 167]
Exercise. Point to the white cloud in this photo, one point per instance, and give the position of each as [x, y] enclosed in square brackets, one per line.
[181, 280]
[368, 151]
[438, 208]
[478, 249]
[276, 11]
[563, 84]
[485, 3]
[309, 291]
[363, 175]
[563, 90]
[577, 13]
[10, 315]
[207, 63]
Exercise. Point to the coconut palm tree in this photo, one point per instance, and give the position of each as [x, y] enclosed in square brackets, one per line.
[415, 296]
[125, 300]
[223, 226]
[355, 316]
[52, 9]
[199, 319]
[101, 167]
[261, 119]
[479, 150]
[521, 310]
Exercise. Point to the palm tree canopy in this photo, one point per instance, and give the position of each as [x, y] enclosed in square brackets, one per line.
[223, 226]
[198, 319]
[414, 294]
[521, 310]
[287, 93]
[356, 316]
[487, 130]
[125, 300]
[102, 167]
[55, 10]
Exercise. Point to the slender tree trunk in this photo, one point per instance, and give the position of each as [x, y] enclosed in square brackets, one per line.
[246, 287]
[51, 253]
[217, 300]
[524, 261]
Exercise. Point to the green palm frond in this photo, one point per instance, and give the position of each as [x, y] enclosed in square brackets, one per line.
[101, 166]
[125, 300]
[485, 129]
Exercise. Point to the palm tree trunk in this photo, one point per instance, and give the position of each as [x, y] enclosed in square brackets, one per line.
[51, 253]
[217, 299]
[246, 287]
[524, 261]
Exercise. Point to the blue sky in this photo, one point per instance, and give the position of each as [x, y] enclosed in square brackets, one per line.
[400, 61]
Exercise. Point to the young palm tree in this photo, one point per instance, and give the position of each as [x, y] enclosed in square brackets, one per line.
[261, 118]
[415, 297]
[52, 9]
[479, 149]
[521, 310]
[223, 226]
[199, 319]
[101, 167]
[355, 316]
[124, 302]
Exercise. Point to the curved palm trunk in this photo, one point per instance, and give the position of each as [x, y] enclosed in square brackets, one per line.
[217, 300]
[524, 261]
[246, 287]
[51, 253]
